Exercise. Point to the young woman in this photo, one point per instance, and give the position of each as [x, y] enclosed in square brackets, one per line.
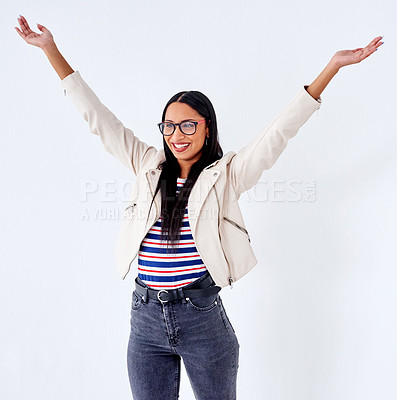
[184, 223]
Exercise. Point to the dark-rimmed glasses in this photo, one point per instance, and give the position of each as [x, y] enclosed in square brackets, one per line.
[186, 127]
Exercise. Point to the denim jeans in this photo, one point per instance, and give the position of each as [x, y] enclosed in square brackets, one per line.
[196, 330]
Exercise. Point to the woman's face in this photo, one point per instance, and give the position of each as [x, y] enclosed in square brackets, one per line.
[179, 112]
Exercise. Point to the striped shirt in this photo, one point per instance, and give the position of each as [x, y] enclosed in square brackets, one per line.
[160, 270]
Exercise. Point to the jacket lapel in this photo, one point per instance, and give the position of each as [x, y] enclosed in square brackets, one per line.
[152, 176]
[199, 193]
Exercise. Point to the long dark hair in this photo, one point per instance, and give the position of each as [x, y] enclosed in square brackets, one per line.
[173, 206]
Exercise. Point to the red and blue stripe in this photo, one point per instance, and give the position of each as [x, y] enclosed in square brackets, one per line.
[162, 270]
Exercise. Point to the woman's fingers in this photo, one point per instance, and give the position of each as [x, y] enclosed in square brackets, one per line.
[20, 33]
[371, 47]
[41, 39]
[375, 46]
[24, 26]
[374, 42]
[23, 31]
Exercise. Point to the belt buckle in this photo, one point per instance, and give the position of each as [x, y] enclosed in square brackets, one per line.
[159, 297]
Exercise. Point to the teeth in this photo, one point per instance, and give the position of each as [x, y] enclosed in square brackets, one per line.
[178, 146]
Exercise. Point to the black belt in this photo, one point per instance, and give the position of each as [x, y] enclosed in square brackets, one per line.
[204, 288]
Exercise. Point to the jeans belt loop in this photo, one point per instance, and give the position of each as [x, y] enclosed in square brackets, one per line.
[180, 293]
[145, 295]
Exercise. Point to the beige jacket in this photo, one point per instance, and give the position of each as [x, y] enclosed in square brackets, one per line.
[215, 218]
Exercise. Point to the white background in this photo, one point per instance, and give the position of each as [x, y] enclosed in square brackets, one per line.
[316, 318]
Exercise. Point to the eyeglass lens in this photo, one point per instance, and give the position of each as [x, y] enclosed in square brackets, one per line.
[186, 127]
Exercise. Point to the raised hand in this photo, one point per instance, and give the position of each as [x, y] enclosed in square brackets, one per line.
[346, 57]
[43, 40]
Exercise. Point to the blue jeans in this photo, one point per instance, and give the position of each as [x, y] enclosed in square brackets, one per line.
[196, 330]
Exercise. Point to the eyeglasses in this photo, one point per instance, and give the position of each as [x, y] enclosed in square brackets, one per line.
[187, 127]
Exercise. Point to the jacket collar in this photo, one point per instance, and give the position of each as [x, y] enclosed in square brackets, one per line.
[215, 162]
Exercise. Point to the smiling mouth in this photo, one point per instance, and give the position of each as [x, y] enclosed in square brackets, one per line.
[181, 146]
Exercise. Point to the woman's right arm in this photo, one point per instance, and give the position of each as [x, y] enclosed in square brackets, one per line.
[61, 66]
[44, 41]
[118, 140]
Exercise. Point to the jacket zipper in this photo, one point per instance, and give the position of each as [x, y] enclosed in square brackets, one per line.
[241, 229]
[230, 279]
[237, 226]
[130, 206]
[231, 282]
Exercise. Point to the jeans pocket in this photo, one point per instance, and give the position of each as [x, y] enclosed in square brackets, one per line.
[225, 318]
[206, 303]
[136, 301]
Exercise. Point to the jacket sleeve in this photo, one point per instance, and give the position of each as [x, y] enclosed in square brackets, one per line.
[262, 152]
[118, 140]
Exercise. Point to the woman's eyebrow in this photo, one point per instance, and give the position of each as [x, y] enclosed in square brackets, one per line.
[189, 119]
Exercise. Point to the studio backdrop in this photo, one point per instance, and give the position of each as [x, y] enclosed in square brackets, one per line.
[316, 317]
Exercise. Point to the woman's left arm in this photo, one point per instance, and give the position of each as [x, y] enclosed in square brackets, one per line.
[341, 59]
[246, 167]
